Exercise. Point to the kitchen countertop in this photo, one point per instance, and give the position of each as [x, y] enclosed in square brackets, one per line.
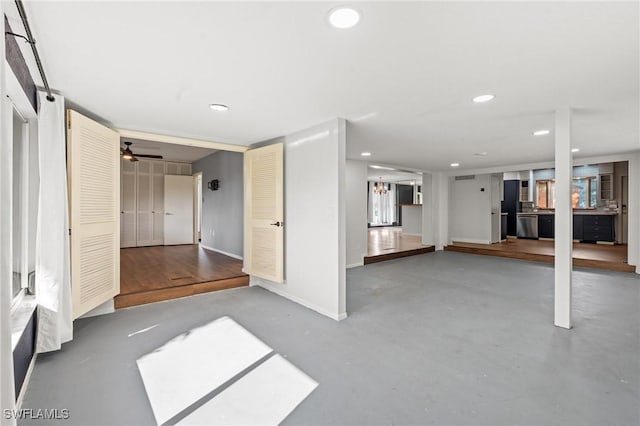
[575, 212]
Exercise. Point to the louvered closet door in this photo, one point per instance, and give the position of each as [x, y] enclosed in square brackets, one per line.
[145, 203]
[157, 202]
[94, 181]
[128, 204]
[264, 210]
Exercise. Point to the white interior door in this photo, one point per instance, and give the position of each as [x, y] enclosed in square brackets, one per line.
[145, 204]
[93, 162]
[157, 203]
[178, 210]
[128, 204]
[495, 208]
[264, 212]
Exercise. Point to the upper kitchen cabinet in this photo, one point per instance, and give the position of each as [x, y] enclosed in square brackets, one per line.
[606, 181]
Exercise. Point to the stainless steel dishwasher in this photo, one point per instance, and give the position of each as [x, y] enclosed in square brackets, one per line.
[527, 226]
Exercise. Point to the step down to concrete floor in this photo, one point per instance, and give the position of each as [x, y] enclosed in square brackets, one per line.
[398, 254]
[545, 258]
[158, 295]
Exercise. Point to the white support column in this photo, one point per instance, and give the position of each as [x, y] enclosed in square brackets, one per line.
[428, 210]
[563, 219]
[441, 212]
[633, 212]
[435, 204]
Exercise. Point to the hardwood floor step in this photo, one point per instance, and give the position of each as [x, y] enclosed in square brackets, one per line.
[536, 257]
[158, 295]
[396, 255]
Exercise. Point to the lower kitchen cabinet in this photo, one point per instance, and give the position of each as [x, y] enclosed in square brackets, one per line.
[598, 228]
[546, 225]
[578, 226]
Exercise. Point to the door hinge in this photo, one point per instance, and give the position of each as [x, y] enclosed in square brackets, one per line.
[69, 119]
[69, 228]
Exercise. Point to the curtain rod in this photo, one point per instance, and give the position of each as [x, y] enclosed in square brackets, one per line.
[29, 38]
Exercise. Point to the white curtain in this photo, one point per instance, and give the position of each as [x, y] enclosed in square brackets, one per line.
[382, 207]
[53, 283]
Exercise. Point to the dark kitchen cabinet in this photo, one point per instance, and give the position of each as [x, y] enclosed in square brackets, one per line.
[598, 228]
[503, 227]
[511, 205]
[578, 227]
[546, 226]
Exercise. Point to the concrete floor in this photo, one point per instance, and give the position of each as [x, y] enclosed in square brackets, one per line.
[441, 338]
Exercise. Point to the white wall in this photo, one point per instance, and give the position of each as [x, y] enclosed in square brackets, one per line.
[315, 248]
[412, 220]
[470, 210]
[356, 205]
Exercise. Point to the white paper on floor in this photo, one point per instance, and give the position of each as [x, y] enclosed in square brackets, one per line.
[265, 396]
[196, 363]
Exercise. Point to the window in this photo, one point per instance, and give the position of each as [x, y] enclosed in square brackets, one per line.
[16, 216]
[24, 208]
[546, 194]
[584, 193]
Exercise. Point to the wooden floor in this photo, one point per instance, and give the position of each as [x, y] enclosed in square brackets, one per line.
[152, 274]
[386, 243]
[601, 256]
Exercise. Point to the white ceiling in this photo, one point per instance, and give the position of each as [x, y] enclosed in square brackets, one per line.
[169, 152]
[404, 77]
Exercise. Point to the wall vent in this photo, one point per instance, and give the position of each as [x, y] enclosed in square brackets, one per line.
[467, 177]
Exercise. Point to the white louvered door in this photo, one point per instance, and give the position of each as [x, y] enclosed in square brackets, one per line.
[93, 161]
[128, 204]
[264, 211]
[145, 203]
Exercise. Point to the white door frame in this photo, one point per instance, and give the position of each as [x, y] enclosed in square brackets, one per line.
[197, 207]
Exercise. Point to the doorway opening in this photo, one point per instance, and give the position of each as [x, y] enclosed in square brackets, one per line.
[169, 245]
[394, 210]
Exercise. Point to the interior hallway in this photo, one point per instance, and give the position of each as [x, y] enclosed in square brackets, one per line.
[405, 354]
[152, 274]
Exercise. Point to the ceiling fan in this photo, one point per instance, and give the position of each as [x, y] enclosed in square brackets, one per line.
[127, 154]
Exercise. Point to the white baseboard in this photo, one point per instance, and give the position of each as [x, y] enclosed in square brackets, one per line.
[355, 265]
[273, 287]
[235, 256]
[470, 240]
[412, 235]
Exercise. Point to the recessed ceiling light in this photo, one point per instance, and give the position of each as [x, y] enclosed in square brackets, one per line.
[483, 98]
[455, 164]
[541, 132]
[373, 166]
[366, 154]
[219, 107]
[575, 150]
[481, 154]
[344, 17]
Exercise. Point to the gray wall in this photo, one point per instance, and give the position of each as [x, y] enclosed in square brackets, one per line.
[223, 210]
